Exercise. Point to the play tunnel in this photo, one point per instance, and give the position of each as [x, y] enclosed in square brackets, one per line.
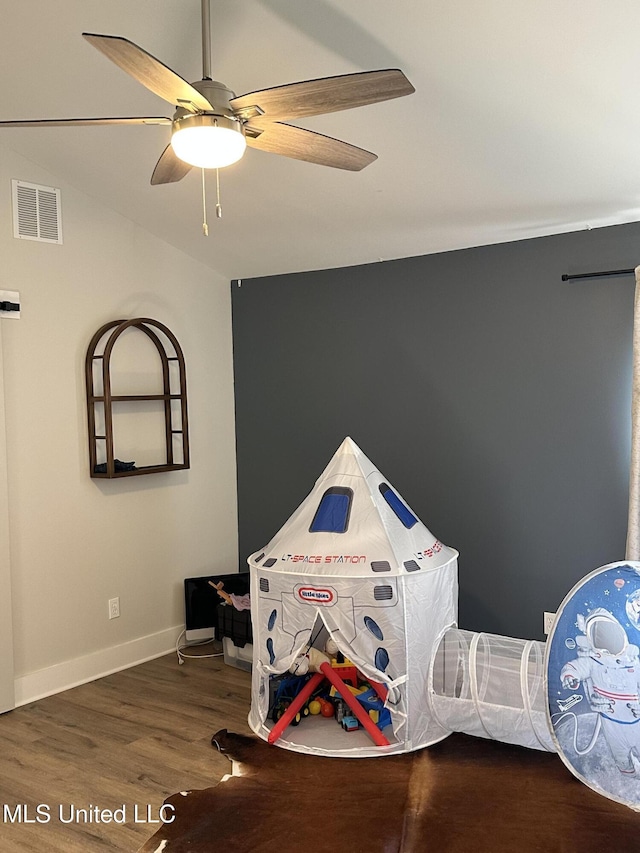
[492, 687]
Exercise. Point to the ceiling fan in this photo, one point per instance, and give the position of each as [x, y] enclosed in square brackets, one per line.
[211, 126]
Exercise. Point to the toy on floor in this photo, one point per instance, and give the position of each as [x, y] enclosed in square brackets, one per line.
[331, 671]
[308, 661]
[284, 690]
[326, 707]
[240, 602]
[350, 724]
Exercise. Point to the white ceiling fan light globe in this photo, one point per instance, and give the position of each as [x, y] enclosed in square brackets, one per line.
[208, 142]
[208, 147]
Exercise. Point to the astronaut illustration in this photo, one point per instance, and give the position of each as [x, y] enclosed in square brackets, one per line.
[633, 608]
[609, 668]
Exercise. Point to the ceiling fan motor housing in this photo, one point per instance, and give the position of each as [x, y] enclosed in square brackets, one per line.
[188, 120]
[218, 96]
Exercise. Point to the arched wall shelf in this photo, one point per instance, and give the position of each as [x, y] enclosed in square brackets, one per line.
[101, 402]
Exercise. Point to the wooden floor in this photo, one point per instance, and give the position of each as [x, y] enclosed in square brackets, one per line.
[125, 741]
[128, 741]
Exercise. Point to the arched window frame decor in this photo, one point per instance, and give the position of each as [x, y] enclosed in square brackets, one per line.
[107, 399]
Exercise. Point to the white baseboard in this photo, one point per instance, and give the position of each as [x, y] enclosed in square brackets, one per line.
[71, 673]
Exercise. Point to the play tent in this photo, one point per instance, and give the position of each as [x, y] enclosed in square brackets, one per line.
[593, 676]
[354, 564]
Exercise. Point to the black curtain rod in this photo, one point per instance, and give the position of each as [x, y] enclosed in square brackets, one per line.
[566, 277]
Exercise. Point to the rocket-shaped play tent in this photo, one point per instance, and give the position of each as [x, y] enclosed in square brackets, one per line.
[353, 564]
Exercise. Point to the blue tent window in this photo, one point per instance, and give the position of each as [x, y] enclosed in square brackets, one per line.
[332, 515]
[373, 626]
[403, 512]
[381, 659]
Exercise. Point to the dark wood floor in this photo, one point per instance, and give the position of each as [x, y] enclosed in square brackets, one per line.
[128, 740]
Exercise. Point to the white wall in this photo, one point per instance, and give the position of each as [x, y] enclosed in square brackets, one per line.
[7, 693]
[76, 542]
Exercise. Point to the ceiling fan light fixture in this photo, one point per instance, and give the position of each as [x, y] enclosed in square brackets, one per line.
[208, 142]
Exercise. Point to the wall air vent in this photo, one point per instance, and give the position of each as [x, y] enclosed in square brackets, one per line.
[36, 212]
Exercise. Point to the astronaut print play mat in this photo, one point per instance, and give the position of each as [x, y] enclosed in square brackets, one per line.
[593, 681]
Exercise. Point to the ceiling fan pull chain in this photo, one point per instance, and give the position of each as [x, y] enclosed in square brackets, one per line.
[205, 227]
[218, 205]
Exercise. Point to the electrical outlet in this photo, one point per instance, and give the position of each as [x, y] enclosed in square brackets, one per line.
[549, 619]
[114, 608]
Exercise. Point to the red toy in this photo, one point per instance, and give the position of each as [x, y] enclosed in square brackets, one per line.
[356, 708]
[326, 708]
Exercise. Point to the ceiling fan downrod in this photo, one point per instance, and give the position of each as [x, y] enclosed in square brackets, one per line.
[206, 40]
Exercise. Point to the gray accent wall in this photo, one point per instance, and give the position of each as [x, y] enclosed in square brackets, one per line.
[493, 396]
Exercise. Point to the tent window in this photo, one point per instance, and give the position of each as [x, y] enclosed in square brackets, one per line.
[383, 593]
[381, 659]
[401, 510]
[260, 557]
[332, 515]
[411, 566]
[373, 626]
[264, 585]
[380, 566]
[270, 562]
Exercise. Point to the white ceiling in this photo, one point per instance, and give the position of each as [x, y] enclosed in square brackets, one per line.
[525, 121]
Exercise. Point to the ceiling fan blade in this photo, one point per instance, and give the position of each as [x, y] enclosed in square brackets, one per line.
[326, 95]
[87, 122]
[313, 147]
[149, 71]
[169, 168]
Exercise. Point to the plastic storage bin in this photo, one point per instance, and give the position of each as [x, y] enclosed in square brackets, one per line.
[238, 656]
